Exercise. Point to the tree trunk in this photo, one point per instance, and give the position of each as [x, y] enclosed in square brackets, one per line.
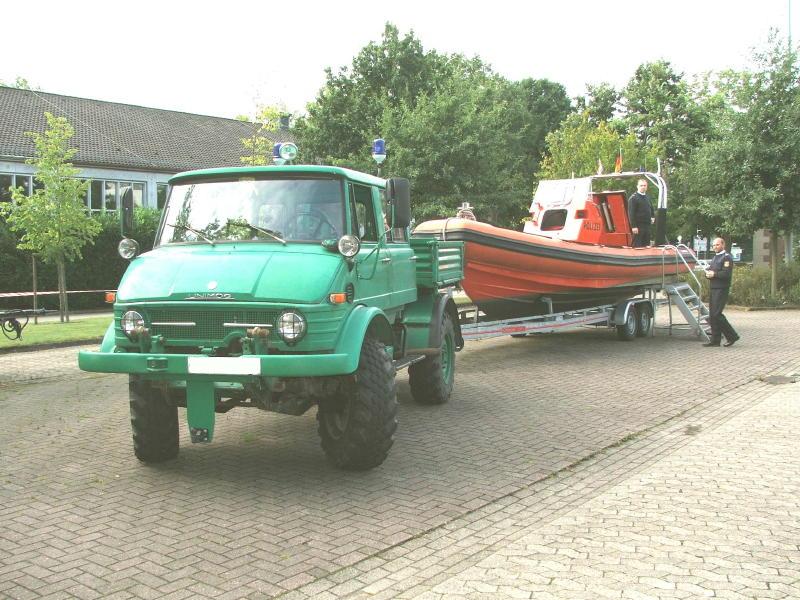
[63, 306]
[774, 260]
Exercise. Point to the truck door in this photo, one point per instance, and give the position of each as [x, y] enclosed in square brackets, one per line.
[374, 262]
[404, 270]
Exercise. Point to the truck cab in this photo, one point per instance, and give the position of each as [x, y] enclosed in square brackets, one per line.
[275, 287]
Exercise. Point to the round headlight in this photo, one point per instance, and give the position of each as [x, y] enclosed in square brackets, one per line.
[349, 245]
[291, 326]
[128, 248]
[130, 321]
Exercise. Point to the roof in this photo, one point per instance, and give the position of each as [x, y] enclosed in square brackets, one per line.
[365, 178]
[113, 135]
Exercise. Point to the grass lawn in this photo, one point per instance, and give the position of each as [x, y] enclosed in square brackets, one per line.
[54, 332]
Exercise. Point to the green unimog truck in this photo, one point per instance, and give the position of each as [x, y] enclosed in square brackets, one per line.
[282, 288]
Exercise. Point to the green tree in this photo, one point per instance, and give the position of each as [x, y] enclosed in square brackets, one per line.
[348, 111]
[456, 129]
[456, 146]
[747, 178]
[53, 220]
[258, 147]
[576, 147]
[601, 103]
[541, 106]
[660, 111]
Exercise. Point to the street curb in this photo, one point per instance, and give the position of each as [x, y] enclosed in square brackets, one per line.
[38, 347]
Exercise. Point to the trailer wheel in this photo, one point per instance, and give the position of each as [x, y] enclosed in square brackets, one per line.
[627, 331]
[431, 380]
[645, 320]
[356, 426]
[154, 422]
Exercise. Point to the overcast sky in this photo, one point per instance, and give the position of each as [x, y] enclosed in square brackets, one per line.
[225, 58]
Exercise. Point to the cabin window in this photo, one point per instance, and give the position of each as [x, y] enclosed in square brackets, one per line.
[361, 208]
[554, 220]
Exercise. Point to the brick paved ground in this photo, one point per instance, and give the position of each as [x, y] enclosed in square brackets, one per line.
[520, 481]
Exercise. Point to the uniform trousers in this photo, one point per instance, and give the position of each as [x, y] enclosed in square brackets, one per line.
[641, 239]
[719, 324]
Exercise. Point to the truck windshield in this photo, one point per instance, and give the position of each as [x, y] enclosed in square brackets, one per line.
[246, 209]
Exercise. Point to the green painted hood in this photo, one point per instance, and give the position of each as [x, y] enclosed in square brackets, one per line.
[296, 273]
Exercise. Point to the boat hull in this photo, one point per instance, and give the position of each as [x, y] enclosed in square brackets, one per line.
[512, 274]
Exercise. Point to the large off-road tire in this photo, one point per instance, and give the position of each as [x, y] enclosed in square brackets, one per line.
[357, 425]
[627, 331]
[431, 380]
[154, 421]
[644, 322]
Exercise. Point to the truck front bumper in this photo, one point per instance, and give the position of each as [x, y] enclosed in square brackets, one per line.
[196, 366]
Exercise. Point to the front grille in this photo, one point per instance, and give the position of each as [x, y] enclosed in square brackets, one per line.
[208, 323]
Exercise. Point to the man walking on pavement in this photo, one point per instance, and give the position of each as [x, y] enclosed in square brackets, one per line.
[719, 273]
[640, 215]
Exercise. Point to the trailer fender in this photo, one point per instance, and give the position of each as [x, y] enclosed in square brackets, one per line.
[623, 308]
[423, 321]
[361, 322]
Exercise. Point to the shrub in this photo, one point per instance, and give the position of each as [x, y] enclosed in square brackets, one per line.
[100, 269]
[751, 286]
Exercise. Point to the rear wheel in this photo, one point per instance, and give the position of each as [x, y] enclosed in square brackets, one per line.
[154, 421]
[627, 331]
[644, 322]
[357, 425]
[431, 380]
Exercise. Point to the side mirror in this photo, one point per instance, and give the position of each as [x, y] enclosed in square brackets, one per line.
[126, 212]
[399, 193]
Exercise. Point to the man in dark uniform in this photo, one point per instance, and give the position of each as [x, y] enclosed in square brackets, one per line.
[640, 215]
[719, 274]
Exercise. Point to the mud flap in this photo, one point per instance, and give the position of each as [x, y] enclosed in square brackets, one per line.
[200, 410]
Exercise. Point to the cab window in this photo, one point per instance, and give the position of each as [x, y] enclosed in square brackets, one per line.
[362, 213]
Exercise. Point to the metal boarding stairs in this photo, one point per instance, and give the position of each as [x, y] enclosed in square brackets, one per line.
[683, 295]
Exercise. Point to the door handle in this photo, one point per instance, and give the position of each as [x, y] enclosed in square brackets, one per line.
[386, 260]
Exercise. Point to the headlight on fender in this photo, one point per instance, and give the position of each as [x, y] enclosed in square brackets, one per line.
[291, 326]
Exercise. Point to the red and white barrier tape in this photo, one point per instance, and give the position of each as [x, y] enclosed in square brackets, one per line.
[23, 294]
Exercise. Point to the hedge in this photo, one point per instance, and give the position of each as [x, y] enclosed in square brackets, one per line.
[751, 286]
[100, 268]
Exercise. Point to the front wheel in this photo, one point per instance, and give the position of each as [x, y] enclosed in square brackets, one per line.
[154, 421]
[357, 425]
[431, 380]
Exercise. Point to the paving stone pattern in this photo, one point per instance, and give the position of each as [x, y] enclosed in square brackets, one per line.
[526, 458]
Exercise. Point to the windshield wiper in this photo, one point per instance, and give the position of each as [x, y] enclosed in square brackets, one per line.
[269, 232]
[194, 231]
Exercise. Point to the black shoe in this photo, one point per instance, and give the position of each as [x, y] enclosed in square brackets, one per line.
[712, 345]
[731, 342]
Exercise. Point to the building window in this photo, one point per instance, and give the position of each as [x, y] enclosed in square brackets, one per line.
[161, 195]
[138, 194]
[23, 181]
[10, 180]
[96, 196]
[105, 196]
[6, 182]
[110, 196]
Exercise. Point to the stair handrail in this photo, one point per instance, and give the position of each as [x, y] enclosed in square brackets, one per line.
[678, 250]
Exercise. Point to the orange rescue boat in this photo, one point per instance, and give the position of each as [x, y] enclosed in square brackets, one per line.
[574, 253]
